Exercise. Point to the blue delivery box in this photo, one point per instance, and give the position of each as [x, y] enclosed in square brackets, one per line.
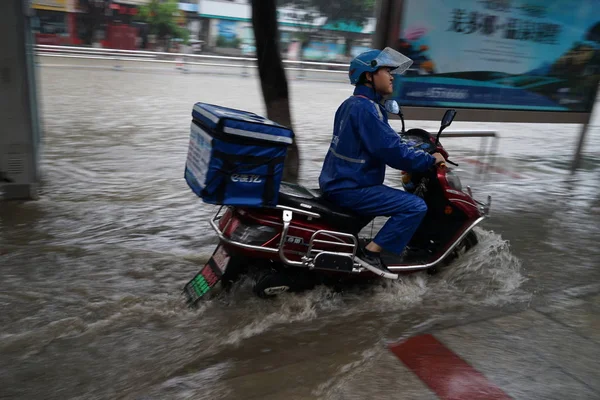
[235, 157]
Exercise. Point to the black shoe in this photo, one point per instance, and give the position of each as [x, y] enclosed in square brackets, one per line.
[373, 260]
[393, 259]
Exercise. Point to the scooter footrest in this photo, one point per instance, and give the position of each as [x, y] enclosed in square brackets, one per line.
[334, 262]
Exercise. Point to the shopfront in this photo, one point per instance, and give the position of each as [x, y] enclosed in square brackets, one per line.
[50, 22]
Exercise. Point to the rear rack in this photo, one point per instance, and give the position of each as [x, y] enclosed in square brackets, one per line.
[308, 259]
[317, 240]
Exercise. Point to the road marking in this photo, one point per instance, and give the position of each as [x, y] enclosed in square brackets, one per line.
[448, 375]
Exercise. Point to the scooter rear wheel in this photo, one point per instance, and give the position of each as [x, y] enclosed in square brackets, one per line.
[271, 284]
[276, 282]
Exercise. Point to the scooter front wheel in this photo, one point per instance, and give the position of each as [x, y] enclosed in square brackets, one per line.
[464, 246]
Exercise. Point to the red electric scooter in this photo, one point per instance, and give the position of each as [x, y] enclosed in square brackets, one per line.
[305, 240]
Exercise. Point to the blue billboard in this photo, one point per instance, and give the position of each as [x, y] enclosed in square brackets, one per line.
[541, 55]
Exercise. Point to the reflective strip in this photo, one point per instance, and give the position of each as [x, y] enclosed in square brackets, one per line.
[354, 160]
[374, 104]
[378, 110]
[208, 115]
[240, 132]
[257, 135]
[196, 129]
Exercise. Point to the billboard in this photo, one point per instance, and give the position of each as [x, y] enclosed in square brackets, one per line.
[512, 55]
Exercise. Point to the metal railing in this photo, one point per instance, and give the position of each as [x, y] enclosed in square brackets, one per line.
[488, 145]
[181, 60]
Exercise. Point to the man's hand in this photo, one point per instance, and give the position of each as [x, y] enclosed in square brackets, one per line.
[439, 158]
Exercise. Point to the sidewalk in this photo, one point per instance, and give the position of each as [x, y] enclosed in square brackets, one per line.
[546, 352]
[549, 349]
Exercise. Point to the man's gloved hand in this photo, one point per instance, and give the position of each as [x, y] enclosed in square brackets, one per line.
[438, 158]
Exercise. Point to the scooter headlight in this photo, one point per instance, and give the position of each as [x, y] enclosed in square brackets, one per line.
[453, 181]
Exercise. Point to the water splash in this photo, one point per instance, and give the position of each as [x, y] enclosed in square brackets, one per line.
[285, 309]
[204, 384]
[339, 385]
[488, 274]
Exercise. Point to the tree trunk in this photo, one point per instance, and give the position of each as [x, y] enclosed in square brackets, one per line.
[90, 27]
[348, 49]
[94, 18]
[272, 76]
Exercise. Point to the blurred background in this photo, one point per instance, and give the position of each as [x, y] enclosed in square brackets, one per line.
[96, 103]
[308, 30]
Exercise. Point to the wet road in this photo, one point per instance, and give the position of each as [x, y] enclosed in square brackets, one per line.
[91, 273]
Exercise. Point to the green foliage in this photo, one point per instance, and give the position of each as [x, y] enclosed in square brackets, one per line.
[183, 34]
[356, 11]
[233, 43]
[161, 17]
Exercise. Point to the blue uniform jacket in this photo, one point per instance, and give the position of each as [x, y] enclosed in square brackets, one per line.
[363, 144]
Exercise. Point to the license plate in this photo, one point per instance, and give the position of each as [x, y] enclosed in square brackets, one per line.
[221, 259]
[208, 276]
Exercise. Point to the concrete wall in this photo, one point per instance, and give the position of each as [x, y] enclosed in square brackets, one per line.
[19, 128]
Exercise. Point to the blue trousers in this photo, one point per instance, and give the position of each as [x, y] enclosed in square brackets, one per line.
[406, 211]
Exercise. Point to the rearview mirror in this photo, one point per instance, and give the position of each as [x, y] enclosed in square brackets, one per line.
[448, 118]
[446, 121]
[392, 107]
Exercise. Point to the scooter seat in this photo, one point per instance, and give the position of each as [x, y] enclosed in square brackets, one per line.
[302, 198]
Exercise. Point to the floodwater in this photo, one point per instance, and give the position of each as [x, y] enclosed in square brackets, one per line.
[92, 272]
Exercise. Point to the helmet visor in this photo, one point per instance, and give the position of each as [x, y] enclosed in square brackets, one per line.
[390, 58]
